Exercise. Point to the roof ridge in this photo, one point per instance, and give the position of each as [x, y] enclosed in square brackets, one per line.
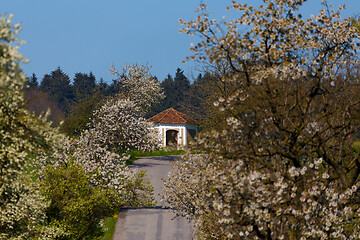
[166, 112]
[179, 114]
[172, 115]
[161, 115]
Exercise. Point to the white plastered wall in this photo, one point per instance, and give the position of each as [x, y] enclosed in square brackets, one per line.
[182, 132]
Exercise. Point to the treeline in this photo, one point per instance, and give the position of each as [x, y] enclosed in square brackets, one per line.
[72, 102]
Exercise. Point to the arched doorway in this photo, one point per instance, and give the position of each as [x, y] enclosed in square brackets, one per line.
[171, 137]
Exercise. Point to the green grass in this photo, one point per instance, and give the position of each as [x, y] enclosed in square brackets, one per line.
[109, 227]
[135, 154]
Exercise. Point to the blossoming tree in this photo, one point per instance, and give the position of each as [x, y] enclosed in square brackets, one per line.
[137, 85]
[285, 166]
[22, 204]
[118, 125]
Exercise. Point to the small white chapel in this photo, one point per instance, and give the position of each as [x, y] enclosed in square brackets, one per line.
[175, 128]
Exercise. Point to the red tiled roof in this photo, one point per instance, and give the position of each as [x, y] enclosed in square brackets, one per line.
[171, 116]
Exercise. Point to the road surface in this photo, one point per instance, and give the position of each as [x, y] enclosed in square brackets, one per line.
[152, 223]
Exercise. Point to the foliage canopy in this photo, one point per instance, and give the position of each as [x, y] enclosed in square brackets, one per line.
[284, 166]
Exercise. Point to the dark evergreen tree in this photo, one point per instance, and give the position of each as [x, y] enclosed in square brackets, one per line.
[177, 94]
[169, 91]
[83, 86]
[182, 86]
[32, 82]
[102, 87]
[113, 88]
[57, 85]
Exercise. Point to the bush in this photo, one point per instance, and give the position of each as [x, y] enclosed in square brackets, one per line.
[76, 205]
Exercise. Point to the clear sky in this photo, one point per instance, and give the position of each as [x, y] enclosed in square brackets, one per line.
[90, 35]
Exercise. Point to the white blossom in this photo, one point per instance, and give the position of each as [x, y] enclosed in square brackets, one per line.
[285, 163]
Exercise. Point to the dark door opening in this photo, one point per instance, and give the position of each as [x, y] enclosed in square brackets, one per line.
[171, 137]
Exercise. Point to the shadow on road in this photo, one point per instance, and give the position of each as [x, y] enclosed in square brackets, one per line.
[159, 161]
[153, 223]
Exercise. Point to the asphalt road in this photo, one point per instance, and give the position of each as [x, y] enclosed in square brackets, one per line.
[152, 223]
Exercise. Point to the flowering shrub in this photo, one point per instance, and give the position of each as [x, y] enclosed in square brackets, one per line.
[228, 201]
[283, 167]
[22, 205]
[137, 85]
[102, 167]
[119, 126]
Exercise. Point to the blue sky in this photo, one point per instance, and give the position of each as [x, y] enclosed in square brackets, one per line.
[90, 35]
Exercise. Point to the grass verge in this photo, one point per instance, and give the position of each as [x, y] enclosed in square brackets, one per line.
[109, 227]
[135, 154]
